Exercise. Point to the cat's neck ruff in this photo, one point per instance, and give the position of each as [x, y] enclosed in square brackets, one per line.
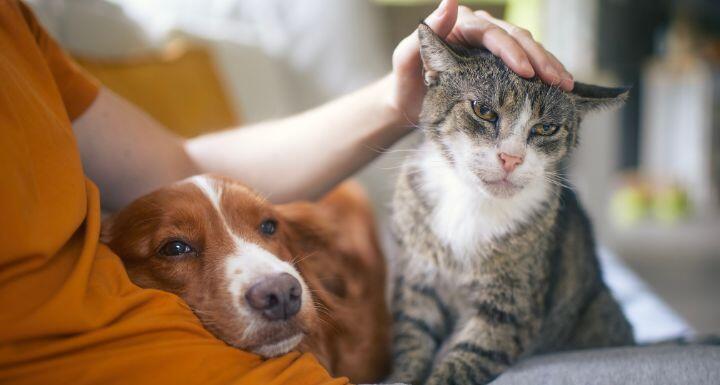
[464, 217]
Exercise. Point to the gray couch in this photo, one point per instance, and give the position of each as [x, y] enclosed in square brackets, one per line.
[654, 365]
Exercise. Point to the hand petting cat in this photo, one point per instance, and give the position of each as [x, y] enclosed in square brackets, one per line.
[333, 140]
[461, 25]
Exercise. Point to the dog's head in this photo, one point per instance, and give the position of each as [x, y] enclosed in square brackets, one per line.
[226, 252]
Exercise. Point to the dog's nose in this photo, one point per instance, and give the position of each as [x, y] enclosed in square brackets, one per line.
[277, 297]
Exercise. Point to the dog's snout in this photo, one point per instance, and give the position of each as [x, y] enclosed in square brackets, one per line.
[277, 297]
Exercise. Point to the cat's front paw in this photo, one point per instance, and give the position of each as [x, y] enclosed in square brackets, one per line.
[443, 376]
[450, 373]
[393, 383]
[401, 378]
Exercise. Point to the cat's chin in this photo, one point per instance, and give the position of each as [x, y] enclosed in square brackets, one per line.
[501, 188]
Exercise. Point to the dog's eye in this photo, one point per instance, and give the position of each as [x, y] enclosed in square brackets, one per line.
[175, 248]
[484, 112]
[268, 226]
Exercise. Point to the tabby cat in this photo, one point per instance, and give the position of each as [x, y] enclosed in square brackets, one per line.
[498, 260]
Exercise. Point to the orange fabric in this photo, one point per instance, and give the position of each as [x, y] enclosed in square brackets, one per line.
[68, 313]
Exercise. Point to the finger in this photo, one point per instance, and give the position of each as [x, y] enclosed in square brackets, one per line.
[568, 82]
[550, 71]
[476, 31]
[548, 68]
[442, 20]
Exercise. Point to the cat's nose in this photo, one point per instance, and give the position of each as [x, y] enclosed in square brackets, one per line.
[509, 162]
[277, 297]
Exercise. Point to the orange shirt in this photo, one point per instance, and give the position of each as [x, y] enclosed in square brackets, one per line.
[68, 313]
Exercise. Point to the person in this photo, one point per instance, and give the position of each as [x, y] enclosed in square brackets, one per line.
[68, 313]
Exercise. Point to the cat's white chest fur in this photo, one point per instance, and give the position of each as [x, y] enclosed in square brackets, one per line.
[464, 217]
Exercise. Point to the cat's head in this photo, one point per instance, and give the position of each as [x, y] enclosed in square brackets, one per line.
[497, 130]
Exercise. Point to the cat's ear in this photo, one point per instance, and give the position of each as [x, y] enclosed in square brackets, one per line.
[436, 55]
[590, 98]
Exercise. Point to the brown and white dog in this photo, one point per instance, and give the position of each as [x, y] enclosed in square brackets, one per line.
[265, 278]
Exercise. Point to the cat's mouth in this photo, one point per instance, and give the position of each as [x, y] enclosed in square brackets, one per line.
[501, 187]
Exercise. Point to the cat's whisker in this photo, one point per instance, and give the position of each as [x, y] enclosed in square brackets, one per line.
[430, 165]
[557, 174]
[402, 165]
[558, 180]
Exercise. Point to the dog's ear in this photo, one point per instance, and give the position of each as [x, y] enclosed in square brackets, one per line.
[314, 243]
[302, 226]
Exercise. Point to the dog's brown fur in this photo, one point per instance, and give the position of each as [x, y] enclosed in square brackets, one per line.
[332, 244]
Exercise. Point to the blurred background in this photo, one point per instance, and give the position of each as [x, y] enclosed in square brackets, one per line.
[649, 173]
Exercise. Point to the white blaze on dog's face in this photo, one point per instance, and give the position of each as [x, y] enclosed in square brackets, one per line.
[223, 249]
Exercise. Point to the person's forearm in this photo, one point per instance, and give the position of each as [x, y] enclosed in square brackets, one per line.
[127, 153]
[305, 155]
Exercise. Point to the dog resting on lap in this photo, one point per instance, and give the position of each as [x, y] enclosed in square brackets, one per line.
[265, 278]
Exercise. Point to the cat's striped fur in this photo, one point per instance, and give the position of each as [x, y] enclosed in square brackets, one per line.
[528, 284]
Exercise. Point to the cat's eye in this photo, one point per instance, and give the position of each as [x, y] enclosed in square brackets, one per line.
[176, 248]
[268, 227]
[544, 129]
[484, 112]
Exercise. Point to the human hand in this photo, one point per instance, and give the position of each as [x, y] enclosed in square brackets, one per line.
[460, 25]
